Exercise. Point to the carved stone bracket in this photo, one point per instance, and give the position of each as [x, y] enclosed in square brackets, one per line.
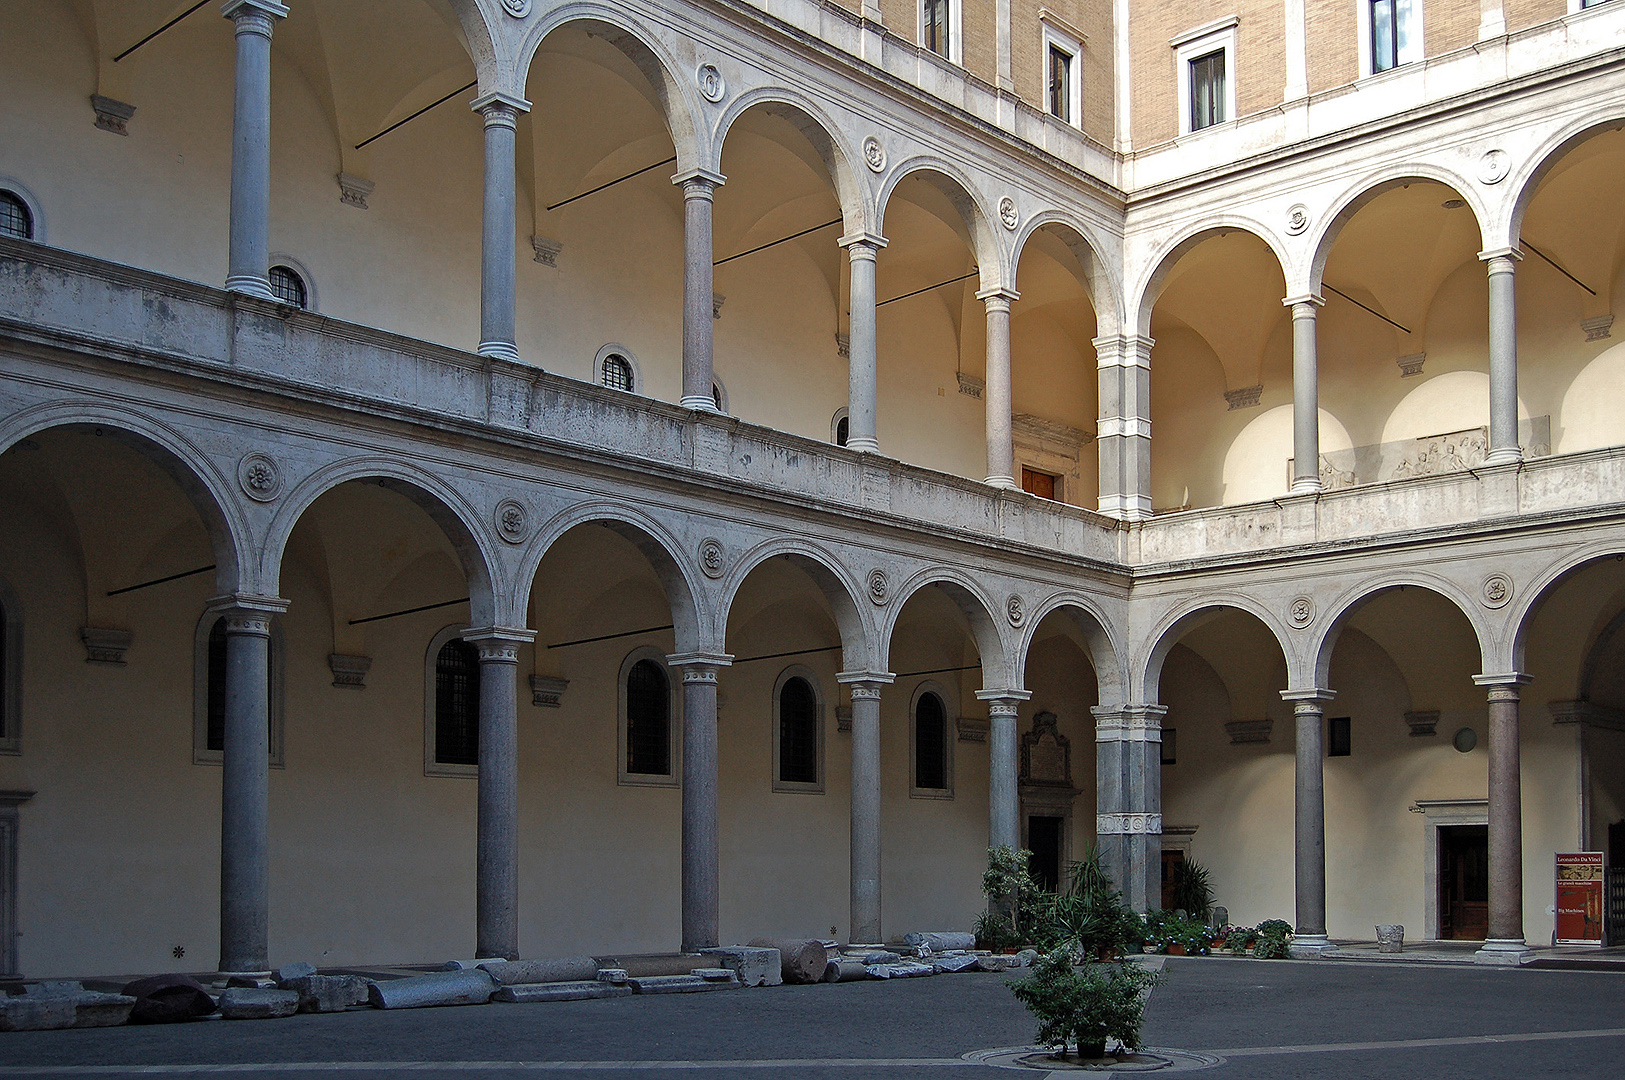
[1423, 723]
[547, 691]
[1242, 732]
[353, 190]
[547, 251]
[843, 718]
[349, 672]
[1587, 714]
[972, 729]
[717, 300]
[105, 646]
[112, 115]
[970, 385]
[1599, 328]
[1244, 397]
[843, 346]
[1411, 365]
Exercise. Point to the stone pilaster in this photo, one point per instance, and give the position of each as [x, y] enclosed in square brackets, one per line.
[1128, 799]
[1124, 366]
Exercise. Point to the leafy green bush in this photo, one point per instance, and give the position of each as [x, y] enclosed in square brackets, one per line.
[1085, 1007]
[1163, 929]
[1192, 892]
[1090, 917]
[1014, 899]
[1274, 940]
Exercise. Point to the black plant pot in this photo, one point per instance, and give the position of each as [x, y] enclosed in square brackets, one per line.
[1092, 1051]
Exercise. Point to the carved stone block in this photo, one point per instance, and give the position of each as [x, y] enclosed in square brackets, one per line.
[843, 718]
[353, 190]
[1599, 328]
[547, 691]
[972, 729]
[1244, 397]
[1423, 723]
[111, 115]
[547, 251]
[1249, 731]
[349, 672]
[970, 385]
[105, 646]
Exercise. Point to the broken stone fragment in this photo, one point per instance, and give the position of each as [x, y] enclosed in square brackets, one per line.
[439, 988]
[168, 999]
[293, 971]
[754, 966]
[800, 961]
[254, 1003]
[557, 969]
[945, 965]
[678, 984]
[942, 941]
[612, 975]
[560, 991]
[846, 970]
[327, 993]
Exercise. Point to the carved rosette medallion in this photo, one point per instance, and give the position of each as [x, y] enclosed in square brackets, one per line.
[1302, 612]
[517, 8]
[1297, 218]
[259, 477]
[874, 154]
[878, 585]
[512, 523]
[713, 559]
[1494, 166]
[709, 80]
[1015, 609]
[1007, 212]
[1496, 591]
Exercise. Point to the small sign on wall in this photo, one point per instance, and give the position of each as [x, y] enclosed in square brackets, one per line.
[1580, 898]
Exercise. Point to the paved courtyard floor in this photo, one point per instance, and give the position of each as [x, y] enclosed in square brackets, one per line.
[1262, 1018]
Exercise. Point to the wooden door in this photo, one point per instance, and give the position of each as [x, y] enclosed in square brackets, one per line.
[1464, 882]
[1169, 858]
[1037, 483]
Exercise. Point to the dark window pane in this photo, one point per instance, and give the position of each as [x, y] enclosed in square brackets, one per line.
[841, 429]
[217, 688]
[1207, 90]
[930, 743]
[1384, 39]
[798, 733]
[936, 26]
[457, 704]
[1170, 746]
[617, 372]
[15, 218]
[1338, 737]
[648, 720]
[287, 286]
[1060, 84]
[716, 396]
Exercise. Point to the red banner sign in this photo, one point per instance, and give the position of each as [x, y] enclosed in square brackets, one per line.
[1579, 898]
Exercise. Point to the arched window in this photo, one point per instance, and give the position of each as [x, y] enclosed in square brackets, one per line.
[798, 732]
[617, 372]
[647, 720]
[209, 715]
[719, 395]
[840, 428]
[16, 219]
[11, 674]
[288, 286]
[929, 734]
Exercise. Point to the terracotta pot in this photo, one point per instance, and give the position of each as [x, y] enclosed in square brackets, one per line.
[1176, 948]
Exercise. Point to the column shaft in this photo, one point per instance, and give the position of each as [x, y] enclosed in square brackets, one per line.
[1505, 818]
[1128, 799]
[245, 859]
[1004, 807]
[698, 290]
[249, 256]
[865, 912]
[861, 393]
[701, 850]
[1001, 454]
[1504, 447]
[498, 267]
[1309, 861]
[497, 846]
[1305, 399]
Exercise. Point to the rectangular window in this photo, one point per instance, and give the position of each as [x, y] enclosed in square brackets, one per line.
[1207, 90]
[1060, 83]
[936, 27]
[1042, 484]
[1337, 737]
[1390, 33]
[1170, 746]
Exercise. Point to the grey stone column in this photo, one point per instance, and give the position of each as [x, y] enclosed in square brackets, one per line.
[245, 852]
[1504, 449]
[1001, 453]
[498, 266]
[496, 860]
[1128, 799]
[1305, 396]
[702, 860]
[1003, 764]
[865, 837]
[1124, 427]
[1309, 818]
[249, 260]
[1505, 943]
[861, 393]
[698, 289]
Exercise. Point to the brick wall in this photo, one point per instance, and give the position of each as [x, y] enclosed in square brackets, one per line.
[1092, 18]
[1260, 59]
[1448, 25]
[1331, 39]
[1525, 13]
[981, 38]
[901, 17]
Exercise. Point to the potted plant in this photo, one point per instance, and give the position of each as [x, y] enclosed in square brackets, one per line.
[1086, 1007]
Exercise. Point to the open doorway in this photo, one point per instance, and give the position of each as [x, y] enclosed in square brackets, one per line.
[1464, 882]
[1044, 841]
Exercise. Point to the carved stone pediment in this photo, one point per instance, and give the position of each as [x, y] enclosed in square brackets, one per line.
[1046, 754]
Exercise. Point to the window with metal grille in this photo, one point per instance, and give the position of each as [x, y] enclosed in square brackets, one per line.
[217, 688]
[935, 26]
[1060, 83]
[930, 743]
[842, 427]
[1390, 33]
[288, 286]
[1338, 736]
[15, 217]
[798, 732]
[716, 397]
[648, 720]
[1207, 90]
[457, 704]
[617, 372]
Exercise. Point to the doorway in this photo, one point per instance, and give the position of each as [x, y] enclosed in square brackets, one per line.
[1171, 857]
[1044, 841]
[1464, 882]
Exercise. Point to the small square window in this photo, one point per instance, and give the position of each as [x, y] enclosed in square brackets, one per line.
[1337, 737]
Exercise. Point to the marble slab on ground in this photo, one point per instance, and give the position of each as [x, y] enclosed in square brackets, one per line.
[523, 993]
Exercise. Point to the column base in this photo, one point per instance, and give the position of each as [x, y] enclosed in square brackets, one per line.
[1309, 486]
[699, 403]
[1508, 951]
[250, 285]
[499, 350]
[1008, 483]
[863, 445]
[244, 974]
[1504, 456]
[1310, 946]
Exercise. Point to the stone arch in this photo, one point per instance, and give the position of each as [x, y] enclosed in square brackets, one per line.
[1525, 179]
[212, 494]
[678, 95]
[1183, 618]
[967, 199]
[1352, 600]
[1147, 291]
[694, 625]
[858, 652]
[1508, 654]
[820, 130]
[1104, 651]
[1356, 197]
[1100, 278]
[495, 72]
[448, 508]
[969, 597]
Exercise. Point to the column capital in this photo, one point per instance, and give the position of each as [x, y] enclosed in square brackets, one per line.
[254, 16]
[1128, 723]
[862, 245]
[499, 108]
[1308, 694]
[1502, 260]
[499, 644]
[1509, 680]
[698, 182]
[700, 662]
[1310, 302]
[998, 296]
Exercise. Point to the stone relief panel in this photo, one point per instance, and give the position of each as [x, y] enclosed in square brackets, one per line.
[1430, 455]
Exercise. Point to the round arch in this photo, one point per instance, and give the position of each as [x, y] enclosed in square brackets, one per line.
[693, 629]
[1092, 623]
[1357, 196]
[956, 186]
[968, 596]
[1527, 601]
[1147, 291]
[1184, 618]
[1352, 600]
[677, 96]
[825, 136]
[1100, 279]
[858, 651]
[446, 507]
[210, 493]
[1526, 179]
